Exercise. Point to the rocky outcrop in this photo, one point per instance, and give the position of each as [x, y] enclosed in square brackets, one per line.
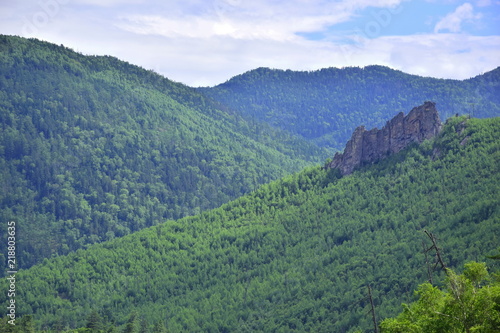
[370, 146]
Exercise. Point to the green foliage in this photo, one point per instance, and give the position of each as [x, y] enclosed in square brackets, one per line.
[94, 322]
[496, 256]
[132, 324]
[466, 305]
[24, 324]
[160, 327]
[325, 106]
[93, 148]
[295, 254]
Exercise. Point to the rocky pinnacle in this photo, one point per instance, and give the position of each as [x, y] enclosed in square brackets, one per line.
[366, 147]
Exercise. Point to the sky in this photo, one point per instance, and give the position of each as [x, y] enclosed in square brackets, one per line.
[206, 42]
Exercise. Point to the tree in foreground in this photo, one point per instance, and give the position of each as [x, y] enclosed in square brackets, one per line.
[470, 303]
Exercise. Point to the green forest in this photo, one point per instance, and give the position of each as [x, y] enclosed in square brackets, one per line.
[325, 106]
[93, 148]
[298, 254]
[142, 205]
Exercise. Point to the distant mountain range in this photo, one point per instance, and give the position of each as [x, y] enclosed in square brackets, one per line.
[325, 106]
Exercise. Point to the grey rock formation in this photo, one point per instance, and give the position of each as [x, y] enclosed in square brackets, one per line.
[370, 146]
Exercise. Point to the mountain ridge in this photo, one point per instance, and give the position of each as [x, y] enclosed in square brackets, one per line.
[325, 106]
[270, 70]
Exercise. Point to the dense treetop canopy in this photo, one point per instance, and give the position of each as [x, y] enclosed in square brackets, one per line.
[93, 148]
[294, 255]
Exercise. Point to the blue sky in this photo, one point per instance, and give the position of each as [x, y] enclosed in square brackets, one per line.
[206, 42]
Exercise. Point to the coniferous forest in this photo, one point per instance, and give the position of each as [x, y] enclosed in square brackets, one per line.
[143, 205]
[94, 148]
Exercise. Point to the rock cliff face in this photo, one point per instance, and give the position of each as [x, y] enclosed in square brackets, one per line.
[370, 146]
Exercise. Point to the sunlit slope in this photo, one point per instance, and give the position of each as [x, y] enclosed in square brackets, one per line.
[295, 255]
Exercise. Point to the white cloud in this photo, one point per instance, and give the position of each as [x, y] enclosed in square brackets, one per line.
[455, 56]
[212, 61]
[257, 19]
[201, 42]
[103, 3]
[453, 21]
[278, 29]
[478, 3]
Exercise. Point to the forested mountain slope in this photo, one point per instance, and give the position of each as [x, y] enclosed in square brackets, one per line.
[325, 106]
[294, 255]
[93, 148]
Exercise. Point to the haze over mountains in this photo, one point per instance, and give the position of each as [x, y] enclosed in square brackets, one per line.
[211, 206]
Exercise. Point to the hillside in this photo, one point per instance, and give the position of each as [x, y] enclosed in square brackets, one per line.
[325, 106]
[294, 255]
[93, 148]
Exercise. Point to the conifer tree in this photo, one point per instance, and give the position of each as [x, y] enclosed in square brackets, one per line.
[144, 326]
[160, 327]
[27, 324]
[131, 326]
[94, 321]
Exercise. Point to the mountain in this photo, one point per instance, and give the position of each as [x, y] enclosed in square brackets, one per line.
[325, 106]
[93, 148]
[295, 255]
